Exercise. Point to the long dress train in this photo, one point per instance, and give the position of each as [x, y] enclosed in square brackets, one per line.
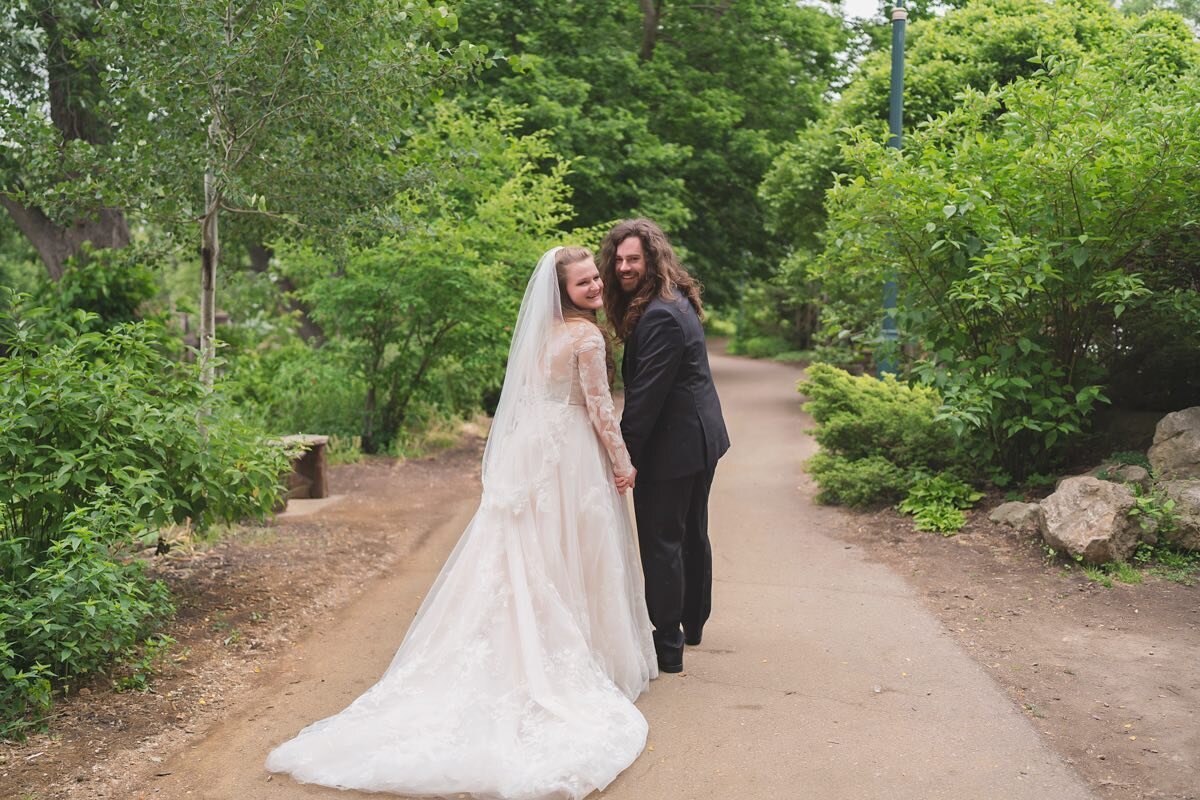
[516, 679]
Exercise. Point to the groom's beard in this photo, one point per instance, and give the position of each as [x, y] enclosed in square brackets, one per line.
[631, 287]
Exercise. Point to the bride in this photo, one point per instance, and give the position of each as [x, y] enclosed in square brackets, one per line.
[518, 674]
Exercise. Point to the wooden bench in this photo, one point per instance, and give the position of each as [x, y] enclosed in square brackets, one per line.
[309, 478]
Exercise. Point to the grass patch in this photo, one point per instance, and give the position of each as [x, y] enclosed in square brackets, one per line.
[1098, 575]
[1170, 565]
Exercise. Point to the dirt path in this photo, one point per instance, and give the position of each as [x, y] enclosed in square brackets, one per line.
[820, 675]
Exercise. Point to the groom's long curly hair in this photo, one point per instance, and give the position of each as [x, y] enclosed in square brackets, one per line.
[664, 274]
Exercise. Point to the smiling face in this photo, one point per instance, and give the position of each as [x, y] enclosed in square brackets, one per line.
[630, 264]
[583, 286]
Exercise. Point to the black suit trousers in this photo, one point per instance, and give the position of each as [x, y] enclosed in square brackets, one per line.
[672, 521]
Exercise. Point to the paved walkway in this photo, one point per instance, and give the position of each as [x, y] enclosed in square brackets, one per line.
[820, 675]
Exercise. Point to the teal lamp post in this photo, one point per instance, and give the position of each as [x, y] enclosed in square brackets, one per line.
[887, 365]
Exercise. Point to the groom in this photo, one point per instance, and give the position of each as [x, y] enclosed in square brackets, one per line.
[672, 426]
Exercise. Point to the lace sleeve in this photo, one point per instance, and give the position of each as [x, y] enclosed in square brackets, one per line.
[593, 378]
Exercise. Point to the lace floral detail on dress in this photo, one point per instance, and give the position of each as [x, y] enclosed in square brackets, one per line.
[593, 380]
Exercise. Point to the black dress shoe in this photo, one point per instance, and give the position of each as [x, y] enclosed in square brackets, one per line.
[670, 666]
[691, 639]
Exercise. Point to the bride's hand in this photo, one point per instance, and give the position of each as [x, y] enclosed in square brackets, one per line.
[625, 482]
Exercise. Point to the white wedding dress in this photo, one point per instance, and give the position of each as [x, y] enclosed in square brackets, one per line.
[517, 676]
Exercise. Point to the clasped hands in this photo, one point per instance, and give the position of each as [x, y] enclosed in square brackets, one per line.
[625, 482]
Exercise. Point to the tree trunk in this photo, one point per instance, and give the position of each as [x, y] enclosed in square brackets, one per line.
[57, 243]
[651, 13]
[210, 253]
[310, 332]
[369, 443]
[74, 92]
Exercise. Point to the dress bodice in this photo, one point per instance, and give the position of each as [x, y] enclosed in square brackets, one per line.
[579, 376]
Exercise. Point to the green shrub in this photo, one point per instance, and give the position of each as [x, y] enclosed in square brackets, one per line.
[856, 482]
[114, 284]
[761, 346]
[861, 416]
[875, 436]
[296, 388]
[937, 503]
[70, 610]
[106, 415]
[103, 439]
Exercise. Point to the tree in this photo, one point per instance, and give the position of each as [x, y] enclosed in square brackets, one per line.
[1188, 9]
[55, 130]
[286, 112]
[1038, 231]
[670, 110]
[985, 43]
[425, 317]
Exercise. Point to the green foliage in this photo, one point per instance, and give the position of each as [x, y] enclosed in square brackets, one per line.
[1168, 564]
[1105, 574]
[19, 267]
[1098, 575]
[760, 347]
[679, 125]
[107, 416]
[1154, 511]
[103, 439]
[937, 503]
[983, 44]
[1134, 458]
[294, 388]
[861, 416]
[401, 311]
[70, 610]
[856, 482]
[874, 434]
[1021, 241]
[141, 670]
[772, 309]
[420, 321]
[114, 285]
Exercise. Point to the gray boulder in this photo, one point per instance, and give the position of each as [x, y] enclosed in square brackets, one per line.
[1186, 495]
[1089, 518]
[1022, 516]
[1131, 473]
[1175, 453]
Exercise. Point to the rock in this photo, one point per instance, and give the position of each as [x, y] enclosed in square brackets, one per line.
[1175, 453]
[1131, 473]
[1089, 518]
[1186, 495]
[1022, 516]
[1118, 473]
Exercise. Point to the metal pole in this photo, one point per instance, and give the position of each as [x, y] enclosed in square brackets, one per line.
[887, 365]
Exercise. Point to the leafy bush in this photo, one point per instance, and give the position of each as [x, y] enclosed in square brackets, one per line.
[856, 482]
[106, 415]
[937, 503]
[425, 319]
[295, 388]
[785, 307]
[69, 611]
[874, 434]
[861, 416]
[1036, 231]
[760, 347]
[103, 439]
[113, 284]
[1154, 511]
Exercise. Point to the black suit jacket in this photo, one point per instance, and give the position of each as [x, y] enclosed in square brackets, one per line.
[672, 421]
